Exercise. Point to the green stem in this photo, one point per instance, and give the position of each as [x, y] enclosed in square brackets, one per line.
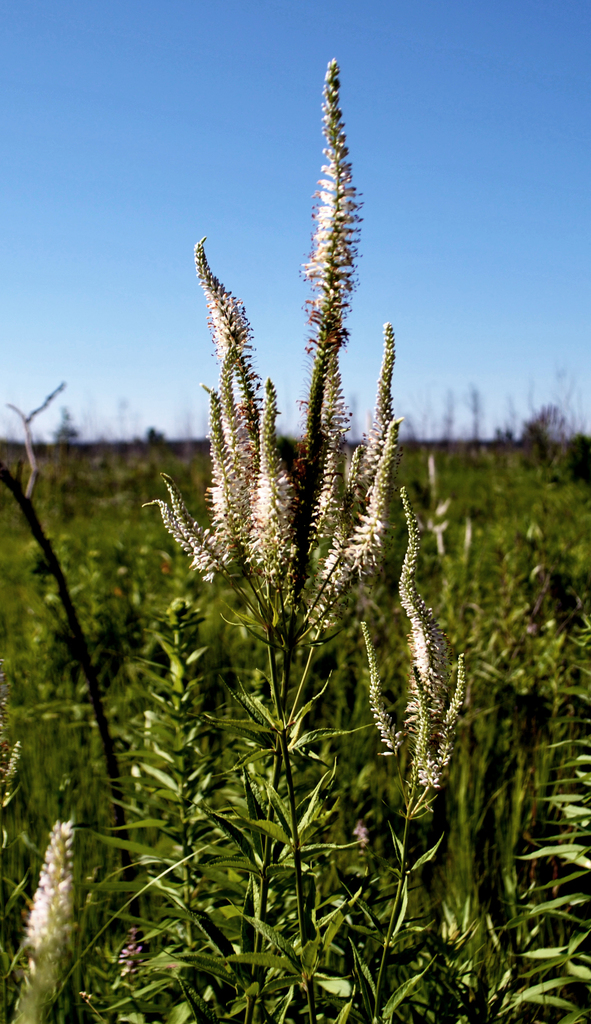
[267, 842]
[396, 904]
[264, 887]
[303, 681]
[297, 858]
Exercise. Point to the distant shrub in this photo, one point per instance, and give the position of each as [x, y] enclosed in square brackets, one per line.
[579, 457]
[544, 435]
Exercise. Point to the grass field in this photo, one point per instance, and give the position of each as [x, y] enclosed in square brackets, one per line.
[509, 579]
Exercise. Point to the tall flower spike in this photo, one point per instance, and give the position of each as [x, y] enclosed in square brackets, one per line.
[50, 922]
[368, 538]
[208, 557]
[273, 498]
[331, 269]
[331, 272]
[230, 504]
[357, 548]
[232, 337]
[237, 453]
[358, 535]
[384, 723]
[383, 411]
[428, 717]
[335, 424]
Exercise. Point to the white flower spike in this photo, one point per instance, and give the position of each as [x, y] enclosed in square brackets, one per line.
[50, 923]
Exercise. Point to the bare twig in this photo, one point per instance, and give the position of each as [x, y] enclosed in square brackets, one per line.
[79, 648]
[27, 420]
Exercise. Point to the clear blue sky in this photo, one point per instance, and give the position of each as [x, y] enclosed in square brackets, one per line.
[131, 129]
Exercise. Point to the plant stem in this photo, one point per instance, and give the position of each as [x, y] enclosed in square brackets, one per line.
[282, 756]
[298, 868]
[302, 681]
[79, 649]
[267, 842]
[396, 904]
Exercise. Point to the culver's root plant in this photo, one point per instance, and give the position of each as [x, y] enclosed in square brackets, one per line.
[277, 937]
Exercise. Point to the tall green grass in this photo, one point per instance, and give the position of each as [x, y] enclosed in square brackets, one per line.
[513, 600]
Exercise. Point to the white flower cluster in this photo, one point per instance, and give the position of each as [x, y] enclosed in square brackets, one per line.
[306, 535]
[383, 720]
[331, 268]
[432, 713]
[50, 922]
[9, 755]
[431, 716]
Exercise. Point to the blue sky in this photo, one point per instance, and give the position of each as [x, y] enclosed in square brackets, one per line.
[131, 129]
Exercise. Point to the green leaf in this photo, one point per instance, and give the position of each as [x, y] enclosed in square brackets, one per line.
[403, 908]
[314, 803]
[195, 655]
[339, 987]
[310, 848]
[277, 939]
[373, 918]
[251, 757]
[574, 1017]
[255, 708]
[276, 984]
[426, 857]
[255, 733]
[238, 863]
[576, 940]
[231, 832]
[573, 900]
[208, 964]
[344, 1013]
[549, 953]
[202, 1013]
[310, 704]
[263, 960]
[539, 993]
[366, 982]
[317, 735]
[126, 844]
[309, 956]
[567, 852]
[253, 797]
[398, 847]
[219, 941]
[266, 828]
[401, 993]
[332, 922]
[247, 931]
[163, 778]
[144, 823]
[255, 810]
[16, 892]
[279, 806]
[179, 1014]
[278, 1015]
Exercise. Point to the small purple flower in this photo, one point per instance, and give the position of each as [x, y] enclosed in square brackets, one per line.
[361, 834]
[128, 957]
